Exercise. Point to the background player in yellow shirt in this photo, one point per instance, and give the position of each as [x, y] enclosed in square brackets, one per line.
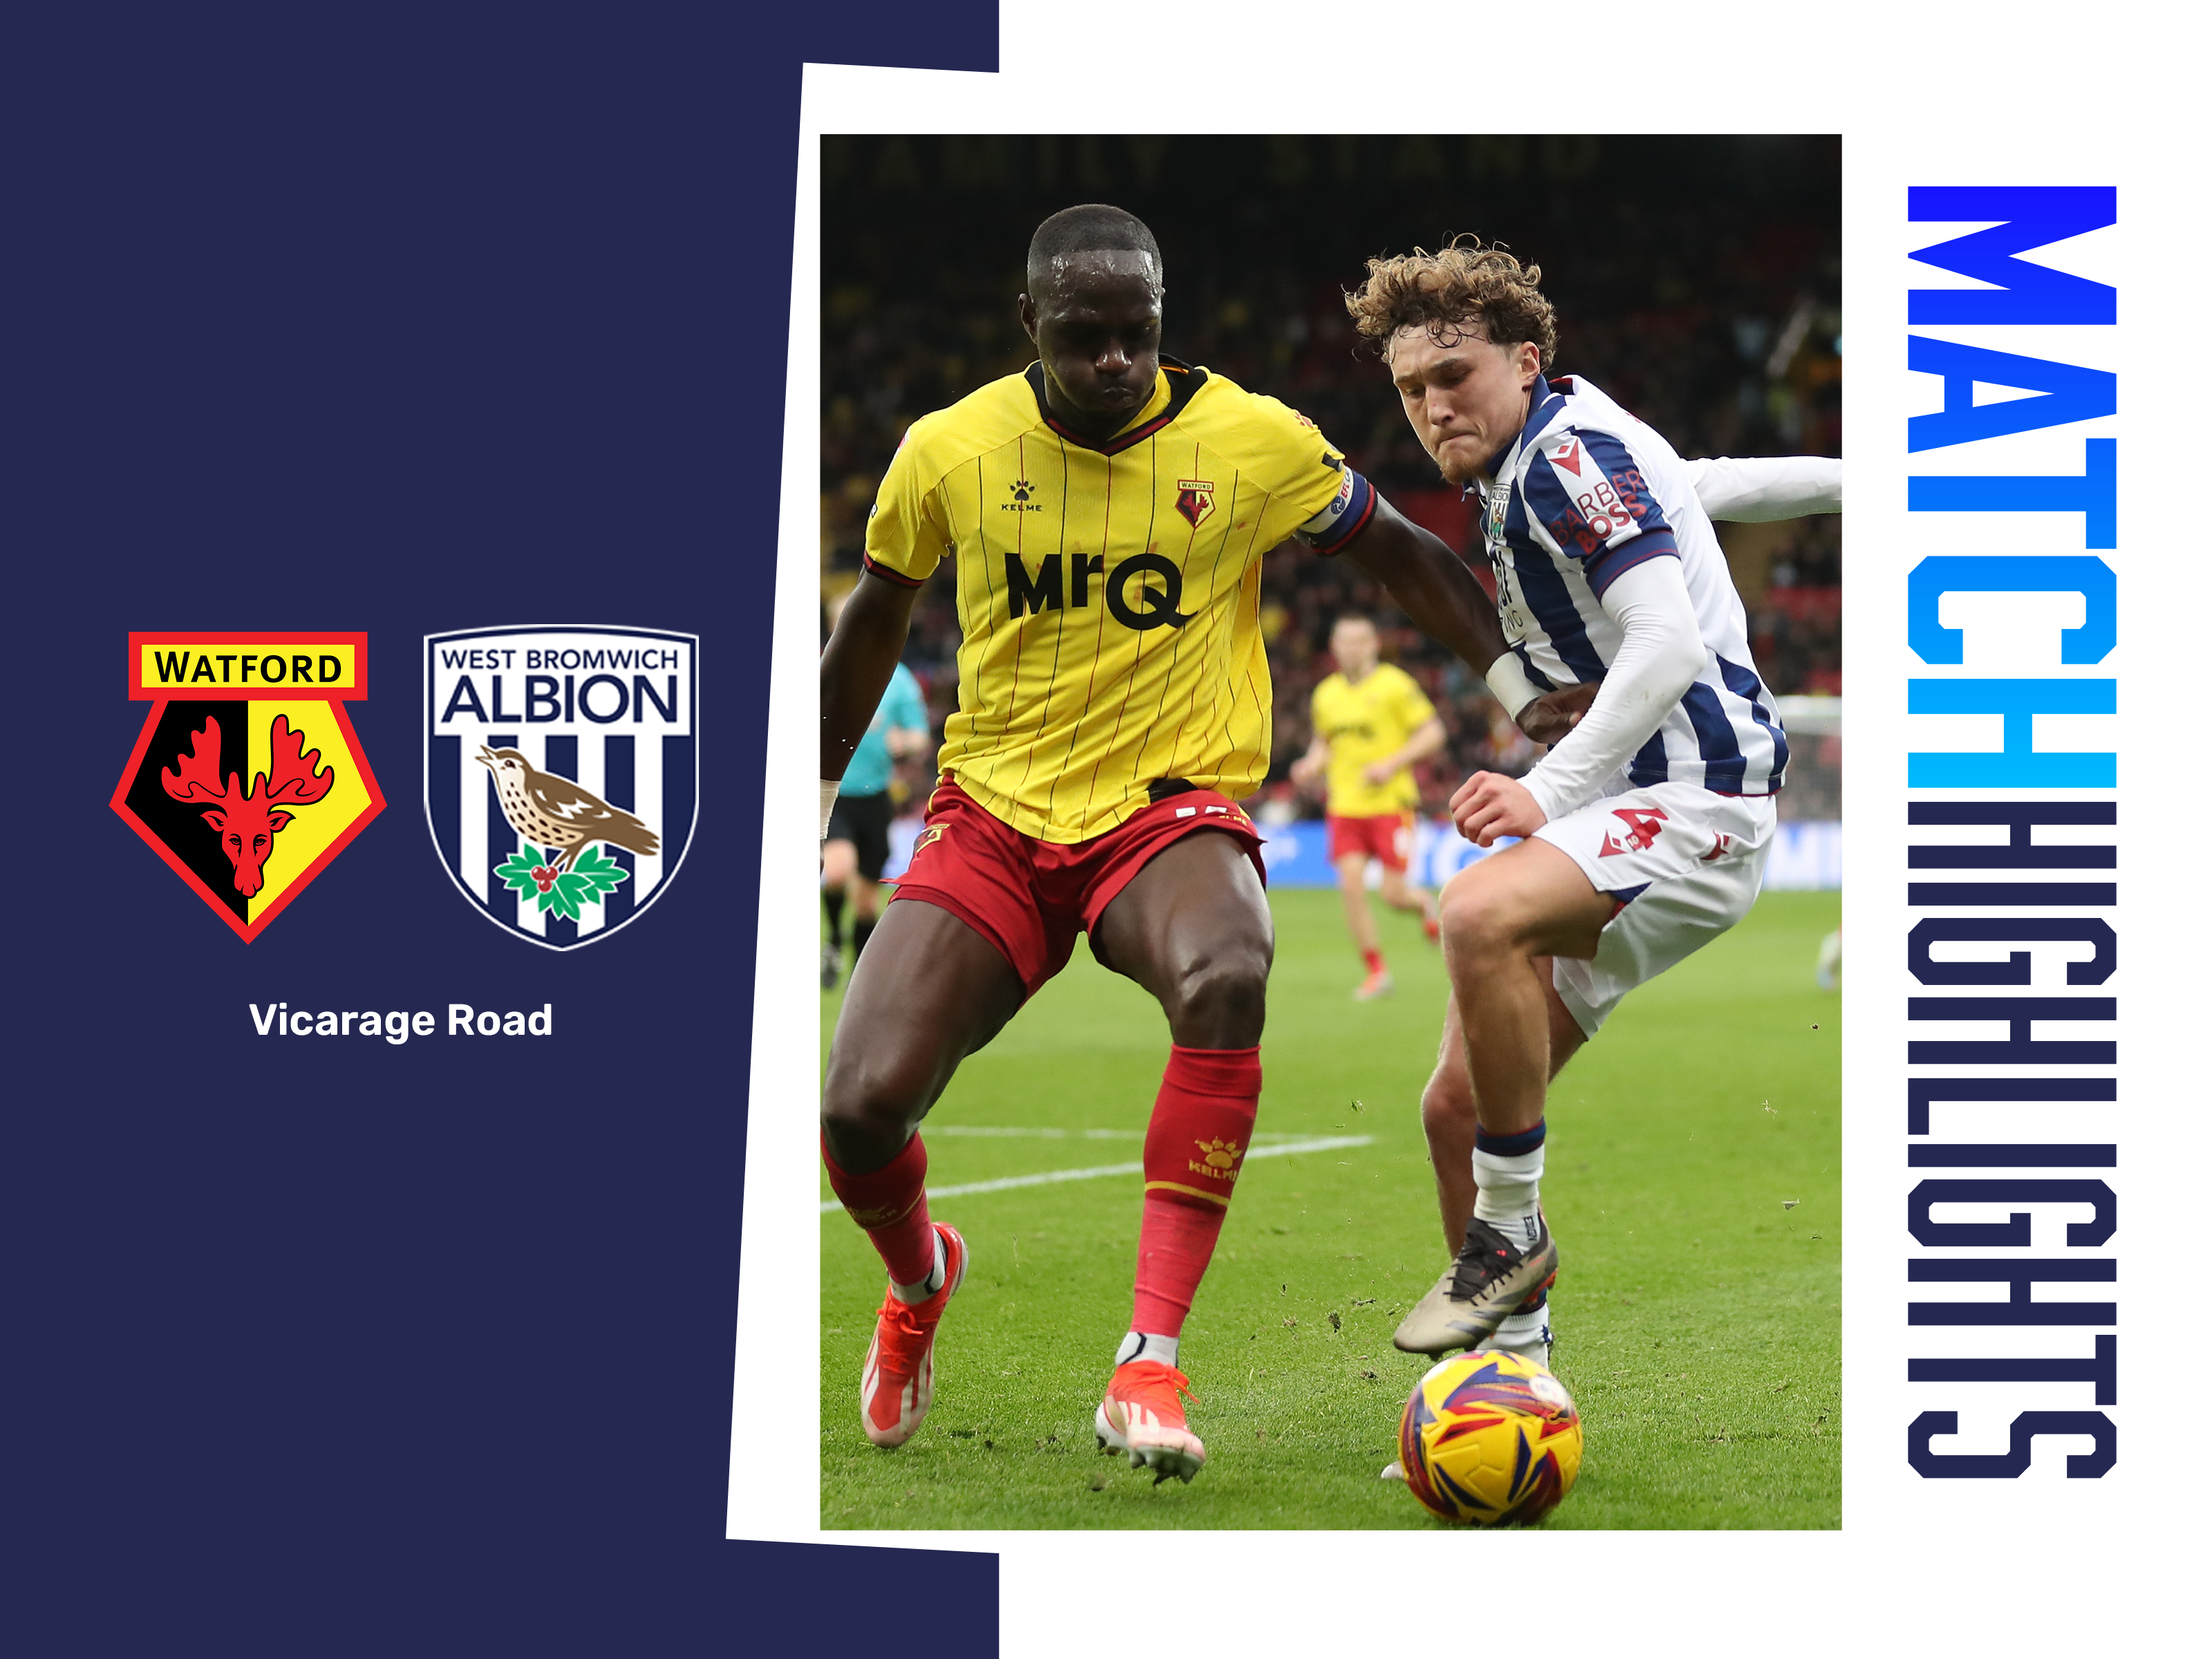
[1106, 513]
[1371, 724]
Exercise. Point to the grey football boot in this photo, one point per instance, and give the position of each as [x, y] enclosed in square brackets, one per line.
[1491, 1278]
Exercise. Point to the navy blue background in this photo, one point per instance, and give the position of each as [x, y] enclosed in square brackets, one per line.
[401, 321]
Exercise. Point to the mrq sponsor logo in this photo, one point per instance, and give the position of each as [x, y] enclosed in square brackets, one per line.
[561, 772]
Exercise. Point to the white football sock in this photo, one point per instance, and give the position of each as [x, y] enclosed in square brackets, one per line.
[931, 1284]
[1147, 1345]
[1525, 1333]
[1505, 1194]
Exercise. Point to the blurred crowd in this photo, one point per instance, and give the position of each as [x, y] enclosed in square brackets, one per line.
[1696, 279]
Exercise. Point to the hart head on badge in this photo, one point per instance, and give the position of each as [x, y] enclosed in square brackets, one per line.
[561, 772]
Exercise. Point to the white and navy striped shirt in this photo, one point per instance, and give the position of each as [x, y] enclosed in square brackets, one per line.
[1586, 492]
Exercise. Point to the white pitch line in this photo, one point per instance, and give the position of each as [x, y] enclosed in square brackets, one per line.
[1324, 1144]
[1073, 1134]
[936, 1129]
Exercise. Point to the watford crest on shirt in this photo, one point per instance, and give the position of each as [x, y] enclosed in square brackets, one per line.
[1194, 500]
[561, 772]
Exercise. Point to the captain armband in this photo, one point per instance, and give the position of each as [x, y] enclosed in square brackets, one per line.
[1345, 517]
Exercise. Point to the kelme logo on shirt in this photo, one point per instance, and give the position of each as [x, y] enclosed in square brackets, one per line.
[1131, 599]
[1022, 489]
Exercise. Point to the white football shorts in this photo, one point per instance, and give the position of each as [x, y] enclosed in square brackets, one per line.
[1683, 863]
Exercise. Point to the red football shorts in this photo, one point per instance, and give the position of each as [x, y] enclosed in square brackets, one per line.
[1031, 897]
[1388, 836]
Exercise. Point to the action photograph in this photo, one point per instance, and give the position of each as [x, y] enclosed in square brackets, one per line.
[1331, 808]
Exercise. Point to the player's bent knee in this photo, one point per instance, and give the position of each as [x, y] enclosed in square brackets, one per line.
[873, 1099]
[1446, 1103]
[1221, 1001]
[1478, 918]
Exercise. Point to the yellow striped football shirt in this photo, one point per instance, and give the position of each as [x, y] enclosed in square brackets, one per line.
[1362, 723]
[1109, 592]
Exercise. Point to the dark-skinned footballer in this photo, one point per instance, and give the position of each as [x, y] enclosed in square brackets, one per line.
[1106, 513]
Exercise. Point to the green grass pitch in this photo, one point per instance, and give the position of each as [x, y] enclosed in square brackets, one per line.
[1698, 1319]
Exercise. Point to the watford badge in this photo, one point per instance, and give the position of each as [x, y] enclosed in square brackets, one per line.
[248, 778]
[1194, 500]
[561, 772]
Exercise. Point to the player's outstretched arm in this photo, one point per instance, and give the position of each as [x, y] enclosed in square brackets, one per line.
[1433, 585]
[856, 666]
[1755, 489]
[1661, 653]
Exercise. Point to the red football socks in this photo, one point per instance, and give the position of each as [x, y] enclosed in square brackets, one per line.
[1201, 1127]
[1373, 959]
[889, 1206]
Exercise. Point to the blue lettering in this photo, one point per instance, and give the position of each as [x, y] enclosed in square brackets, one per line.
[2101, 1370]
[2020, 1307]
[2011, 1464]
[2013, 1230]
[2069, 393]
[2020, 763]
[2011, 572]
[2095, 493]
[465, 697]
[2029, 217]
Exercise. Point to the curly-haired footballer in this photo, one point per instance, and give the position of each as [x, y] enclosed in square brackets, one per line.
[1641, 835]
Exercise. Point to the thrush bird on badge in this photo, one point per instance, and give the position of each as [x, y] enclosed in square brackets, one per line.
[558, 814]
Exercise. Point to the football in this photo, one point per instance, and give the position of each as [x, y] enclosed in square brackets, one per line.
[1490, 1439]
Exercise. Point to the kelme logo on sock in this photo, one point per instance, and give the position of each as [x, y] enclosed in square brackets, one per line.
[1220, 1159]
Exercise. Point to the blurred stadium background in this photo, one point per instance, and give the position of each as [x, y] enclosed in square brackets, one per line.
[1696, 279]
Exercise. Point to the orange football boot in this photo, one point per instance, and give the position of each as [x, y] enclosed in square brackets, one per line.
[897, 1376]
[1142, 1415]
